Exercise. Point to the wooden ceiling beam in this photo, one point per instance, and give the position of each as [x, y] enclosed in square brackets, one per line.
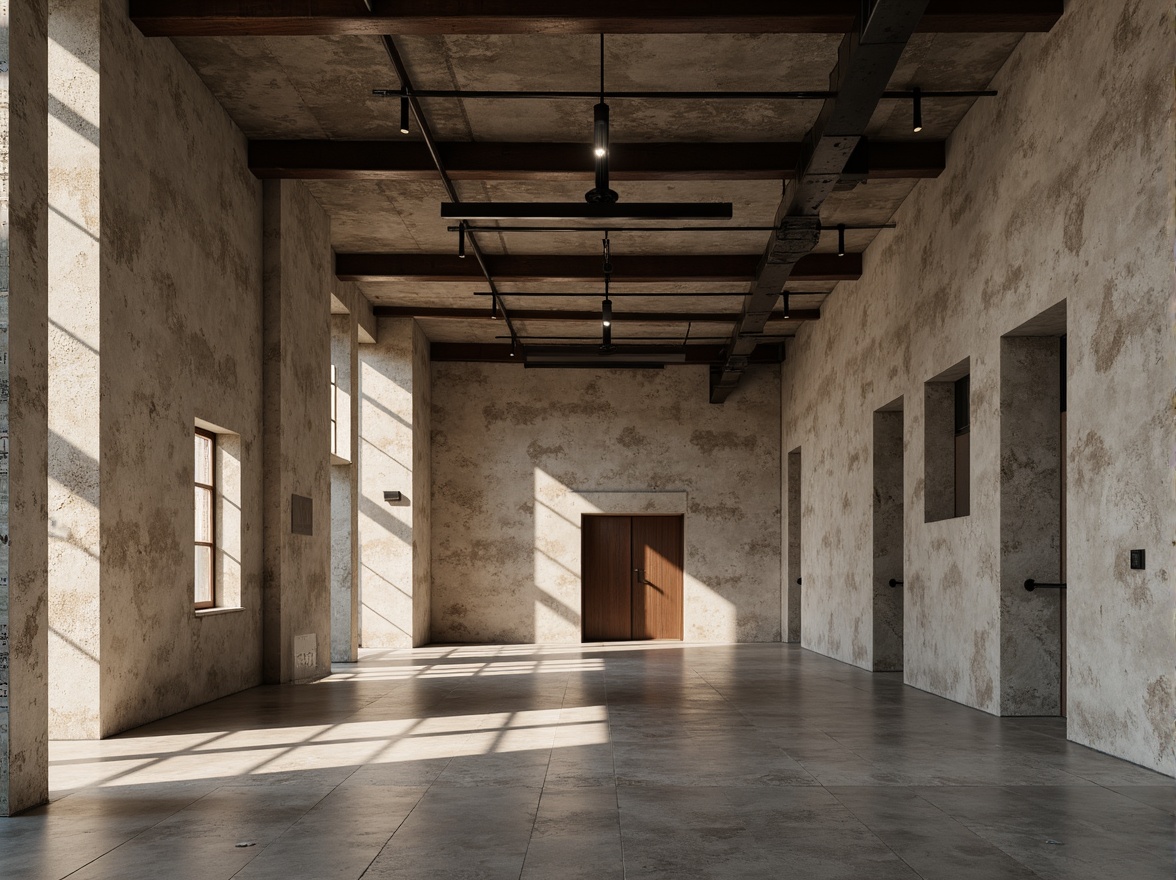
[660, 268]
[410, 160]
[229, 18]
[620, 316]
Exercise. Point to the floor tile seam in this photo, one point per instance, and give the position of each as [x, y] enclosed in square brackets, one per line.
[875, 834]
[142, 831]
[542, 788]
[400, 824]
[613, 757]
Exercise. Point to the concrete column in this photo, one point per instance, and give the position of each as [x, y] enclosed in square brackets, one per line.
[345, 490]
[74, 408]
[297, 283]
[888, 540]
[394, 537]
[1030, 525]
[24, 690]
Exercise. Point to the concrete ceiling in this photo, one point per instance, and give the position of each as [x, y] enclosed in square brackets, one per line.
[320, 88]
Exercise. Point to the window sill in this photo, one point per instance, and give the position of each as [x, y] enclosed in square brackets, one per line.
[212, 612]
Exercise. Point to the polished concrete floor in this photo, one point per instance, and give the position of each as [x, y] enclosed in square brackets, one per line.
[653, 761]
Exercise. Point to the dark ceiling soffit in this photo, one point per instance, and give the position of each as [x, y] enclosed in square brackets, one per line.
[227, 18]
[620, 316]
[669, 268]
[475, 352]
[410, 160]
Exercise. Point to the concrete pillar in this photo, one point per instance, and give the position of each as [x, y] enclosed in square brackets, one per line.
[345, 490]
[394, 537]
[297, 283]
[24, 690]
[74, 409]
[1030, 525]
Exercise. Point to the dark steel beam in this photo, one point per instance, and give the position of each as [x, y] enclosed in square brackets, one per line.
[228, 18]
[867, 59]
[490, 352]
[667, 268]
[410, 160]
[619, 315]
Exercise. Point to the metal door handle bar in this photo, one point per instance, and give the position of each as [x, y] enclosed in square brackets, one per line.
[798, 583]
[1032, 585]
[895, 582]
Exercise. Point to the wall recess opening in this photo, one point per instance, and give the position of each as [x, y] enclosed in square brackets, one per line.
[947, 426]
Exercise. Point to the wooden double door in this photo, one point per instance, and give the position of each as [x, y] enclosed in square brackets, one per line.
[632, 577]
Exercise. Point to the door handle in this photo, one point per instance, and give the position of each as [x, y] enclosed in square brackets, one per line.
[640, 572]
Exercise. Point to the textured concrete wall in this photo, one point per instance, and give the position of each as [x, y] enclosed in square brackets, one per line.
[394, 456]
[24, 688]
[345, 491]
[155, 323]
[422, 488]
[1061, 188]
[519, 455]
[793, 586]
[298, 279]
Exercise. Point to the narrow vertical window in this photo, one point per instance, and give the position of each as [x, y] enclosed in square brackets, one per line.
[205, 595]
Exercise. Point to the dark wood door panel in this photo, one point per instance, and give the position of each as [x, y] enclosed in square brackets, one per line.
[607, 577]
[657, 586]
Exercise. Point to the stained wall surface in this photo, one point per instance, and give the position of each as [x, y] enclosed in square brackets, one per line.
[1059, 189]
[297, 433]
[181, 340]
[394, 457]
[519, 455]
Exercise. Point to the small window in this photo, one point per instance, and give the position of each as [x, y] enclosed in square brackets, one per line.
[205, 593]
[947, 427]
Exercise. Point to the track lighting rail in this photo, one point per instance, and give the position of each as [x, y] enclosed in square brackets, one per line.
[610, 229]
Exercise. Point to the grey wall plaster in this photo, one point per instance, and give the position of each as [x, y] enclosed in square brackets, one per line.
[1030, 526]
[24, 689]
[1060, 188]
[394, 456]
[517, 452]
[297, 286]
[886, 652]
[345, 491]
[422, 485]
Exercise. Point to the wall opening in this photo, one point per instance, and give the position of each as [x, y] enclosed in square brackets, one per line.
[793, 578]
[947, 443]
[888, 537]
[1032, 504]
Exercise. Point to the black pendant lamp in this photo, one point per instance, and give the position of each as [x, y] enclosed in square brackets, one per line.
[601, 202]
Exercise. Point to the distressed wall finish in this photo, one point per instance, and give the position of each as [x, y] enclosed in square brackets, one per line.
[1061, 188]
[156, 322]
[345, 491]
[24, 626]
[394, 456]
[516, 451]
[297, 431]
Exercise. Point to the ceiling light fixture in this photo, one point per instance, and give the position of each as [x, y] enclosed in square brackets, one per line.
[787, 310]
[404, 111]
[606, 315]
[461, 234]
[600, 202]
[918, 106]
[494, 308]
[841, 239]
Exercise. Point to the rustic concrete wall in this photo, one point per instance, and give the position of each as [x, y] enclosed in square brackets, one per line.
[24, 688]
[519, 455]
[1061, 188]
[792, 590]
[155, 323]
[394, 456]
[345, 491]
[297, 299]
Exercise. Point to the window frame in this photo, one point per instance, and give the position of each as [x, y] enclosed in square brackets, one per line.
[212, 490]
